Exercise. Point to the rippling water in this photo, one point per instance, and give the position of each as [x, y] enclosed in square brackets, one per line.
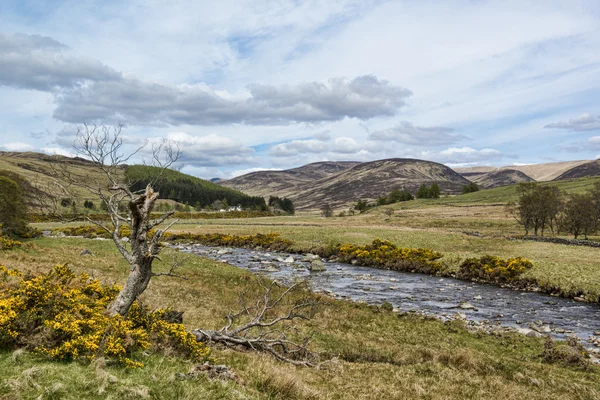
[431, 295]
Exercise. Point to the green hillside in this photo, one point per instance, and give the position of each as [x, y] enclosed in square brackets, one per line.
[507, 194]
[183, 188]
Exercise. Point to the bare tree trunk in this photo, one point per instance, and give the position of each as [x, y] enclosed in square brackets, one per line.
[103, 147]
[137, 282]
[144, 249]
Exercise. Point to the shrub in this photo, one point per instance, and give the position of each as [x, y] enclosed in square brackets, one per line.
[569, 353]
[7, 243]
[270, 241]
[13, 210]
[494, 269]
[384, 254]
[63, 316]
[470, 188]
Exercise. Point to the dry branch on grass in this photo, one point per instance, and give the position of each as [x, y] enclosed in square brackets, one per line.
[267, 324]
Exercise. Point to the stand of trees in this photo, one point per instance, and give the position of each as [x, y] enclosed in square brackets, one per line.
[282, 203]
[429, 192]
[540, 208]
[186, 189]
[470, 188]
[395, 196]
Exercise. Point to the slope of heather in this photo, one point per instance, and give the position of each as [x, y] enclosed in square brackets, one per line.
[374, 179]
[502, 177]
[584, 170]
[285, 183]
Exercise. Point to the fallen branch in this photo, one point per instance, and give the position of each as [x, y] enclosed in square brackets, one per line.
[266, 324]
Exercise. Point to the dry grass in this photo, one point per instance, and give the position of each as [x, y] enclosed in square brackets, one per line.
[370, 354]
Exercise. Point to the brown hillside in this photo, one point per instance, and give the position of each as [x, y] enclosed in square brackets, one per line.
[502, 177]
[374, 179]
[590, 168]
[547, 171]
[285, 183]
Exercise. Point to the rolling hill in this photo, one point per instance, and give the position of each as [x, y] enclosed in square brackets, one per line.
[285, 183]
[500, 177]
[539, 172]
[368, 180]
[38, 170]
[585, 170]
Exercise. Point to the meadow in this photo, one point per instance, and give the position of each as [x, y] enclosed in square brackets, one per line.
[367, 352]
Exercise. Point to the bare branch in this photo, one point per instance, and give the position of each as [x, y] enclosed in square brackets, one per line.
[265, 324]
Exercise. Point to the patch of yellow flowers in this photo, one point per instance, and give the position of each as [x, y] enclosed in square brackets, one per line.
[494, 269]
[63, 316]
[384, 254]
[7, 243]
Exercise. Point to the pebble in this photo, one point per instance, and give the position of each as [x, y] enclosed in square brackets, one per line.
[467, 306]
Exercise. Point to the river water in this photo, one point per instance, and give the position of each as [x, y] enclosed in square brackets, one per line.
[444, 298]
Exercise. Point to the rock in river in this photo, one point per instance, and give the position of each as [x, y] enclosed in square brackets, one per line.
[317, 266]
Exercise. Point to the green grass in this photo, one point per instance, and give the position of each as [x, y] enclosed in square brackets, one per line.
[507, 194]
[369, 354]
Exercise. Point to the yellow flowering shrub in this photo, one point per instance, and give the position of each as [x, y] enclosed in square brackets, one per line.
[384, 254]
[494, 269]
[7, 243]
[63, 316]
[270, 241]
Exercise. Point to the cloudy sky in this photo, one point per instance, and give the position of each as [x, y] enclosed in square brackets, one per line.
[247, 85]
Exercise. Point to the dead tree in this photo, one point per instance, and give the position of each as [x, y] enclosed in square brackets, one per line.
[266, 324]
[103, 146]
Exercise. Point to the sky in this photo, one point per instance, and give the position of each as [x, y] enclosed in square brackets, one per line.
[243, 85]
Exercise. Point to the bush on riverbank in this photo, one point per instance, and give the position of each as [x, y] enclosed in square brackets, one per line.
[494, 269]
[7, 243]
[386, 255]
[269, 241]
[63, 316]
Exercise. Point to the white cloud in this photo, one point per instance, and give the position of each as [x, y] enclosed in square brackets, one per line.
[40, 63]
[298, 147]
[323, 136]
[17, 146]
[467, 155]
[345, 145]
[58, 151]
[407, 133]
[210, 150]
[585, 122]
[146, 103]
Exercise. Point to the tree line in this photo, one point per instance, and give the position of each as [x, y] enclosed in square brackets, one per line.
[188, 190]
[542, 208]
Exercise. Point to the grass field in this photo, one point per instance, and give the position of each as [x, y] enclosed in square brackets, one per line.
[371, 354]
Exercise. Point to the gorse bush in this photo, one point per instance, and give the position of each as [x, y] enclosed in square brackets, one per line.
[63, 316]
[384, 254]
[494, 269]
[7, 243]
[270, 241]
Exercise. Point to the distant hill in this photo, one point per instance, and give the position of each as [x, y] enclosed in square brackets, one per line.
[41, 170]
[368, 180]
[588, 169]
[539, 172]
[285, 183]
[501, 177]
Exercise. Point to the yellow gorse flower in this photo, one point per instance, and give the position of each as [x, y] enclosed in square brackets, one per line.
[63, 316]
